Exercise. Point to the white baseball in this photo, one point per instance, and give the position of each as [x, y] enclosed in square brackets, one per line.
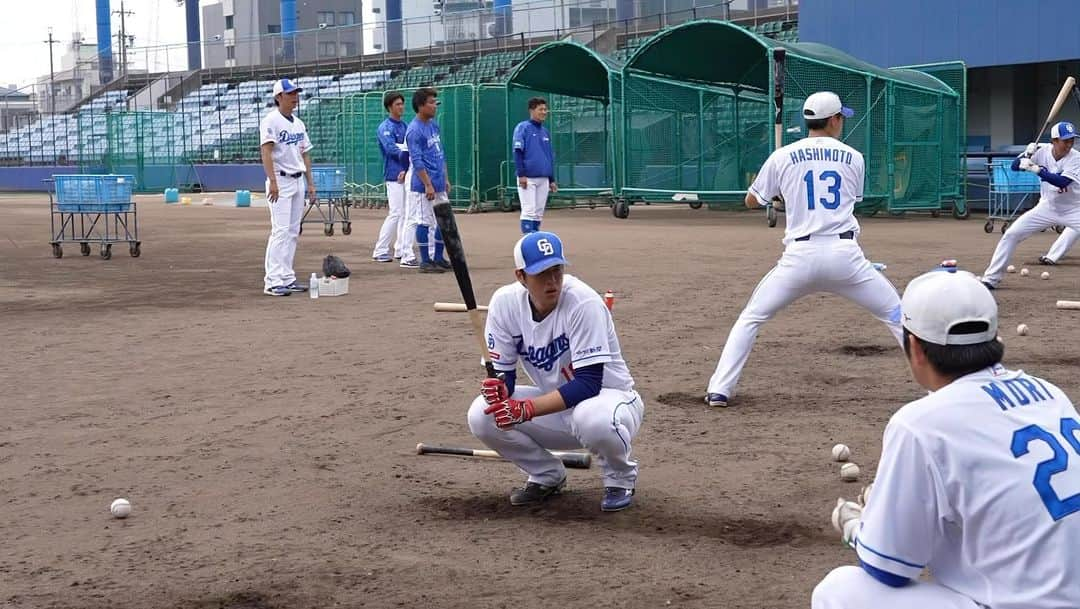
[1010, 269]
[841, 452]
[1022, 329]
[1024, 272]
[1045, 275]
[120, 508]
[849, 472]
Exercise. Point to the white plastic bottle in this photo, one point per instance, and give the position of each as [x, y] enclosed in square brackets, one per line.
[313, 286]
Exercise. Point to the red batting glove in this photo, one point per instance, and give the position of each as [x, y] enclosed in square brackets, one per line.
[494, 391]
[510, 412]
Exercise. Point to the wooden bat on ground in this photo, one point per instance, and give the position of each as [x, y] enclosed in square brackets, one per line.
[455, 307]
[570, 459]
[1066, 88]
[1069, 304]
[444, 215]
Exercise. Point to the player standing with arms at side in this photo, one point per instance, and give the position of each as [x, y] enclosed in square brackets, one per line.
[820, 179]
[430, 180]
[535, 165]
[979, 481]
[391, 136]
[1058, 168]
[564, 337]
[286, 159]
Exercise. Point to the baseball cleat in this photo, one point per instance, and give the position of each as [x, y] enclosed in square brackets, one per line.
[409, 264]
[535, 493]
[383, 258]
[616, 499]
[443, 264]
[1046, 261]
[716, 400]
[989, 286]
[296, 287]
[431, 267]
[278, 290]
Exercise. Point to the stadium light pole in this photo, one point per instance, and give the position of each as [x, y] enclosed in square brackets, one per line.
[52, 75]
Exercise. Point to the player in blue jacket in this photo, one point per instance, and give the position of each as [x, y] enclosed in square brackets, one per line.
[430, 181]
[535, 165]
[391, 136]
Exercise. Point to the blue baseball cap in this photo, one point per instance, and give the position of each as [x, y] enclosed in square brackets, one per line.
[537, 252]
[285, 86]
[1063, 131]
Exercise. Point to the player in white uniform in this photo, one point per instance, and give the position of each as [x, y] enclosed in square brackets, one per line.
[820, 179]
[558, 328]
[1061, 246]
[978, 482]
[1058, 168]
[286, 159]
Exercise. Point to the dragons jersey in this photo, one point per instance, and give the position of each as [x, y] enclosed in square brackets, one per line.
[1068, 166]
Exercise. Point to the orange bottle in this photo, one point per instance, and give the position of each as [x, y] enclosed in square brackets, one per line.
[609, 299]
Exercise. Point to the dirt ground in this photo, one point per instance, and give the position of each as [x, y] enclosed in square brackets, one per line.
[267, 444]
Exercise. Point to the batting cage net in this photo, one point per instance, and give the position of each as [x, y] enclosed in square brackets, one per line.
[152, 146]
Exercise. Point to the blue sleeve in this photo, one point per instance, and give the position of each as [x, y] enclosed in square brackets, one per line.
[1016, 164]
[518, 143]
[1054, 178]
[386, 141]
[586, 384]
[414, 140]
[889, 579]
[519, 162]
[509, 377]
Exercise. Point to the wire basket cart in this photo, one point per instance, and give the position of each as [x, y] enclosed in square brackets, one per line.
[99, 209]
[331, 204]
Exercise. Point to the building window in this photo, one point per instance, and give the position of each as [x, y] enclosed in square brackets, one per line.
[348, 18]
[326, 17]
[273, 29]
[587, 16]
[230, 52]
[228, 22]
[348, 49]
[327, 49]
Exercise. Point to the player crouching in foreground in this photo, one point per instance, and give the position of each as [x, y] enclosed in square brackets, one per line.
[974, 481]
[564, 336]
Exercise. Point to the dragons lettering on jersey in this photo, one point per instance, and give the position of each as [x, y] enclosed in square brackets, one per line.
[544, 358]
[287, 138]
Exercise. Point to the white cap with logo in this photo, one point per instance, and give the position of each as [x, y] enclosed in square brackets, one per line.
[1063, 131]
[824, 104]
[938, 301]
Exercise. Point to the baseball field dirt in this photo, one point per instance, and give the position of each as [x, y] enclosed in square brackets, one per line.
[267, 445]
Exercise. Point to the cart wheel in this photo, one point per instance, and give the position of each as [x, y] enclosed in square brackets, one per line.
[57, 251]
[328, 230]
[84, 249]
[135, 250]
[989, 226]
[1059, 228]
[621, 209]
[935, 213]
[696, 204]
[770, 213]
[106, 251]
[1003, 227]
[346, 228]
[960, 211]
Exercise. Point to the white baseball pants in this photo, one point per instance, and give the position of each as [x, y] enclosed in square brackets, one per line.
[285, 214]
[825, 263]
[534, 198]
[395, 201]
[852, 588]
[605, 424]
[418, 210]
[1063, 244]
[1043, 215]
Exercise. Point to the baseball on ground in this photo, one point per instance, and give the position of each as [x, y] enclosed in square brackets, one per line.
[849, 472]
[841, 452]
[1024, 272]
[120, 508]
[1045, 275]
[1010, 269]
[1022, 329]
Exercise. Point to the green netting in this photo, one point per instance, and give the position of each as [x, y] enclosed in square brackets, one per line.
[704, 128]
[146, 144]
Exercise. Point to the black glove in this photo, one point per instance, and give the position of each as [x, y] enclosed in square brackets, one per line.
[333, 266]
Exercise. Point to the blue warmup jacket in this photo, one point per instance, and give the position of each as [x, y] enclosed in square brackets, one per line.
[532, 151]
[426, 152]
[392, 132]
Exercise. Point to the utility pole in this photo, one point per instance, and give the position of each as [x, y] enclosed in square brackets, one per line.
[123, 36]
[52, 75]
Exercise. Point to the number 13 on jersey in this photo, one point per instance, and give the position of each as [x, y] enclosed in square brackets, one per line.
[830, 182]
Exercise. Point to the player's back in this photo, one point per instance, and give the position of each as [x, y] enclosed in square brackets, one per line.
[1007, 448]
[821, 179]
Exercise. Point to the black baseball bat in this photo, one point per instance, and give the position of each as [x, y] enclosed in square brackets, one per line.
[444, 216]
[570, 459]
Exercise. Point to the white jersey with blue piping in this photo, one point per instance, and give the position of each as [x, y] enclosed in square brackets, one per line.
[1068, 166]
[980, 482]
[579, 332]
[290, 141]
[821, 180]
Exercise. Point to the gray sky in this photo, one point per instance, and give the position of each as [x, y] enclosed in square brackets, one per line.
[24, 55]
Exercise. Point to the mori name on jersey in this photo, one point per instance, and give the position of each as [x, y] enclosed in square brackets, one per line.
[800, 155]
[1020, 391]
